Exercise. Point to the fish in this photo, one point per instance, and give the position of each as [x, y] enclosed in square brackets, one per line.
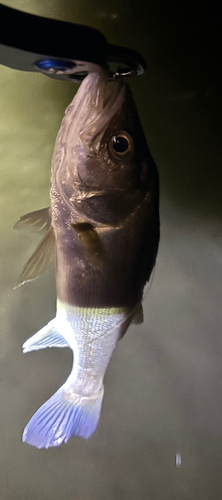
[102, 231]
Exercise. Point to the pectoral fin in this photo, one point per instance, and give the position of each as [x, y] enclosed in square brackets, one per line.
[91, 241]
[41, 260]
[36, 222]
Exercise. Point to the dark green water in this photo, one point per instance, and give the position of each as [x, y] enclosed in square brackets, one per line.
[163, 387]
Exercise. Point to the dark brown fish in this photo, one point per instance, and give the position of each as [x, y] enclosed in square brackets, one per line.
[104, 225]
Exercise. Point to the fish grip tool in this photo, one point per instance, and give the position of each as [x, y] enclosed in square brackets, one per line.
[61, 50]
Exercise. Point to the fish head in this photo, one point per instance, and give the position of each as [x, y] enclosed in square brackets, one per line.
[102, 166]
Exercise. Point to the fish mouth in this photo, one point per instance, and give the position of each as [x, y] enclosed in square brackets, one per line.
[95, 104]
[106, 102]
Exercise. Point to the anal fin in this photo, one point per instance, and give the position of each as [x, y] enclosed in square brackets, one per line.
[138, 316]
[135, 317]
[48, 336]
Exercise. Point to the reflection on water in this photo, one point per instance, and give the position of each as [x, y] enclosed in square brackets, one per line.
[160, 432]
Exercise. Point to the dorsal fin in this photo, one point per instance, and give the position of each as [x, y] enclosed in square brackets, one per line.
[36, 222]
[41, 259]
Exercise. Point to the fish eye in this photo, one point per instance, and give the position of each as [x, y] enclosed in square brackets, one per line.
[121, 144]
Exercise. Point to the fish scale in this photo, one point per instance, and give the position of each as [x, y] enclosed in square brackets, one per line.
[96, 334]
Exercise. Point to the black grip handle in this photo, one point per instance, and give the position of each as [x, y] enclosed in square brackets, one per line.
[59, 49]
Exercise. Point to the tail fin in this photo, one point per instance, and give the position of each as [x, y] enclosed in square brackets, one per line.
[48, 336]
[64, 415]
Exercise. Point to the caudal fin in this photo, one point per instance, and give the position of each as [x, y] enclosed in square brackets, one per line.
[48, 336]
[64, 415]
